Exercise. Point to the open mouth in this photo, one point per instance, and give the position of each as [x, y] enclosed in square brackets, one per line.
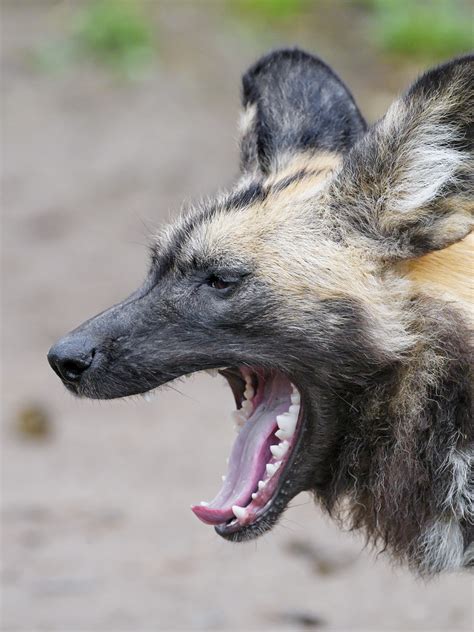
[268, 420]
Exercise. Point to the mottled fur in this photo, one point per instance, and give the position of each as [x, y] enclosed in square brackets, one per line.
[347, 252]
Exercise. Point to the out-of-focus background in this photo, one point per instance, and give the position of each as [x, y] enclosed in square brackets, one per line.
[113, 113]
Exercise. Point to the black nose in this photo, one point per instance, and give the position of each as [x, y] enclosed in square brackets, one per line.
[70, 358]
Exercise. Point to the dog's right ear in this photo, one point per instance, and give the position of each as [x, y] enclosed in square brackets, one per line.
[294, 103]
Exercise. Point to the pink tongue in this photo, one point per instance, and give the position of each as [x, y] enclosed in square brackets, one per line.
[250, 454]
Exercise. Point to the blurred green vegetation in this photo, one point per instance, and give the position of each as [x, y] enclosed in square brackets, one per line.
[269, 9]
[425, 29]
[116, 33]
[121, 34]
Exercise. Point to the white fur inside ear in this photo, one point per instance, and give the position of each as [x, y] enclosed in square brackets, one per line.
[247, 118]
[427, 164]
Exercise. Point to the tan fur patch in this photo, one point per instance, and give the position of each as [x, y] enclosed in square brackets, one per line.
[447, 273]
[323, 161]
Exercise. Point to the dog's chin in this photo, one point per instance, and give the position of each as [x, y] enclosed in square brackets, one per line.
[264, 467]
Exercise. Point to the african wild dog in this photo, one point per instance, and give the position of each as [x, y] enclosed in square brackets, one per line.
[329, 287]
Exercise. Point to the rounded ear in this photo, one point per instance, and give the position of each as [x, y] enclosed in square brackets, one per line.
[293, 103]
[408, 185]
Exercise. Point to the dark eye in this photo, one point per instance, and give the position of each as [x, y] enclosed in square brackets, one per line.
[217, 283]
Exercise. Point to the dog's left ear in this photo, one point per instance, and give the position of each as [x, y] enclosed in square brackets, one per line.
[408, 185]
[293, 103]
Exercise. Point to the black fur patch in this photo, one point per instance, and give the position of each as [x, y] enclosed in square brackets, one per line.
[301, 106]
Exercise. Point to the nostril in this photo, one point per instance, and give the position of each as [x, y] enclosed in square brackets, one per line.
[69, 362]
[72, 370]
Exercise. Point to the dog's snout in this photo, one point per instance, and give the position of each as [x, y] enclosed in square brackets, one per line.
[70, 358]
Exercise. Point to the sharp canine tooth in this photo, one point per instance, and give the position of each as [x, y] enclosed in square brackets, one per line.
[203, 503]
[254, 495]
[239, 512]
[212, 372]
[261, 485]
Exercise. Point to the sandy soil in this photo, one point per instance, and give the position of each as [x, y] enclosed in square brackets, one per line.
[97, 534]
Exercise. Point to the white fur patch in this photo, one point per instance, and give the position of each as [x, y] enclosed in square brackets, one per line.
[460, 498]
[442, 547]
[247, 118]
[428, 163]
[443, 543]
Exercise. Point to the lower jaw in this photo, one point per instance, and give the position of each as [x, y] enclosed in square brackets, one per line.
[264, 521]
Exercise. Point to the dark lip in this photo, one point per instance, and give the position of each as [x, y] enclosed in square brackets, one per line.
[283, 494]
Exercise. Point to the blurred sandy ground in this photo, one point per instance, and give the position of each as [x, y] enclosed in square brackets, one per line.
[96, 527]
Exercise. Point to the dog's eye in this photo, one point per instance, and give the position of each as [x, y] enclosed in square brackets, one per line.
[217, 283]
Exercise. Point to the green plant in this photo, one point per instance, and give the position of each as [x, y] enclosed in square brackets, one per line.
[432, 29]
[269, 9]
[115, 32]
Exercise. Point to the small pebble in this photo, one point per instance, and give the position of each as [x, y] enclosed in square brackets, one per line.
[33, 422]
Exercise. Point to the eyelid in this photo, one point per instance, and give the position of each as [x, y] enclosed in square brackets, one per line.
[229, 280]
[231, 276]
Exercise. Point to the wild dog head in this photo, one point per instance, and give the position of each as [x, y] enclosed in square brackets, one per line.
[290, 286]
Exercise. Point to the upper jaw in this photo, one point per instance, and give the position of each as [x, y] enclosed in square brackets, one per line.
[108, 382]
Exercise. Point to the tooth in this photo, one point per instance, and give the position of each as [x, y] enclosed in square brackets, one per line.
[272, 468]
[295, 396]
[275, 450]
[261, 485]
[283, 434]
[249, 392]
[239, 512]
[148, 396]
[287, 422]
[212, 372]
[223, 477]
[247, 408]
[254, 495]
[294, 409]
[203, 503]
[279, 450]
